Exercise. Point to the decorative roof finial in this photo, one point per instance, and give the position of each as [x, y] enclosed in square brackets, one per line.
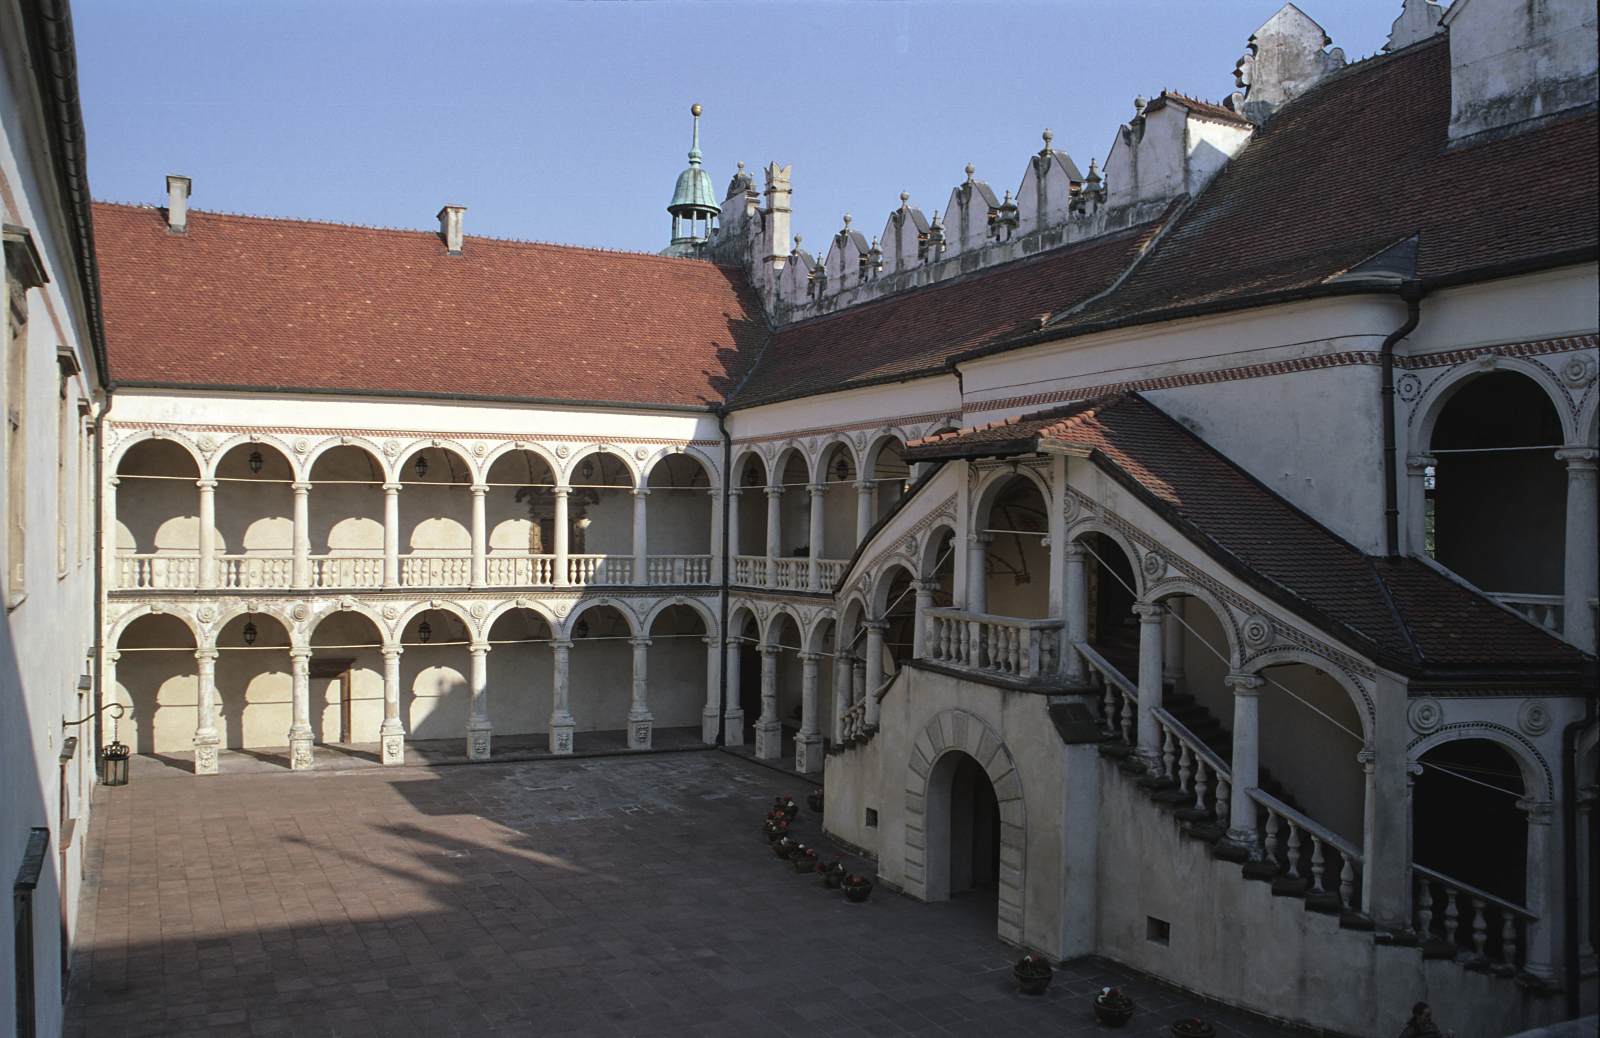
[1094, 173]
[905, 197]
[694, 145]
[970, 170]
[1138, 104]
[1048, 137]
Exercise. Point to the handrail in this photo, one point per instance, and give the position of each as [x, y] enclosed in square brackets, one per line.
[1301, 819]
[1200, 749]
[1472, 891]
[1107, 670]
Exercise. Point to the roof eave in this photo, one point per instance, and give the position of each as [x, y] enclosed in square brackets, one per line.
[486, 398]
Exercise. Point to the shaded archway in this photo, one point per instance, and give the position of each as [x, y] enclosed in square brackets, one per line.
[1465, 821]
[601, 667]
[157, 681]
[255, 514]
[886, 468]
[600, 518]
[255, 701]
[1014, 516]
[157, 536]
[678, 530]
[346, 669]
[1113, 629]
[435, 696]
[346, 510]
[838, 475]
[521, 686]
[749, 516]
[677, 667]
[784, 644]
[743, 664]
[519, 517]
[435, 518]
[896, 603]
[794, 546]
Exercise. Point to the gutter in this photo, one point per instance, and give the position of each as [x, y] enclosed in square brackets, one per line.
[727, 571]
[417, 394]
[1411, 291]
[1570, 878]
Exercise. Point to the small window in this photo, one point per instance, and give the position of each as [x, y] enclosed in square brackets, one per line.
[872, 818]
[1157, 931]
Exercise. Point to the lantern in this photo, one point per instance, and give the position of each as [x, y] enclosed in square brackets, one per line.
[114, 759]
[582, 630]
[249, 632]
[587, 472]
[421, 466]
[255, 462]
[424, 631]
[841, 470]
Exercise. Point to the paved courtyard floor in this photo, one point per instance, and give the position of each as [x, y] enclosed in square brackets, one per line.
[608, 896]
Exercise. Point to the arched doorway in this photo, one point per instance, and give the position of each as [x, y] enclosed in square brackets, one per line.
[1113, 627]
[346, 673]
[157, 681]
[520, 673]
[434, 694]
[974, 845]
[1015, 580]
[255, 702]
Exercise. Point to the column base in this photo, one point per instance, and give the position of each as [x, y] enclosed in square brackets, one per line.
[639, 732]
[392, 743]
[733, 728]
[561, 735]
[300, 758]
[478, 740]
[808, 754]
[769, 741]
[710, 722]
[205, 754]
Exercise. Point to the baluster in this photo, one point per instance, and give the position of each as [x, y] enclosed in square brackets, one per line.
[1271, 843]
[1317, 865]
[1127, 718]
[1223, 802]
[1452, 915]
[1480, 928]
[1109, 710]
[1347, 883]
[1169, 753]
[1293, 852]
[1014, 649]
[1185, 767]
[1508, 938]
[1202, 769]
[1424, 907]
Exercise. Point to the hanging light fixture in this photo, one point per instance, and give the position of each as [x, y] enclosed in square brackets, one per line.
[582, 630]
[255, 462]
[841, 470]
[249, 633]
[424, 631]
[587, 472]
[421, 466]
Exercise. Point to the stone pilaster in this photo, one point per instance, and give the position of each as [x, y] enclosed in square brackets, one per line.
[562, 725]
[206, 739]
[392, 733]
[479, 730]
[808, 745]
[300, 735]
[640, 721]
[769, 729]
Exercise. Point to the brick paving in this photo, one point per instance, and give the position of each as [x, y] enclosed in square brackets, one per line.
[610, 896]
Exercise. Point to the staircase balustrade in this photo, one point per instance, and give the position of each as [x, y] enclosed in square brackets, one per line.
[1496, 930]
[997, 645]
[1284, 832]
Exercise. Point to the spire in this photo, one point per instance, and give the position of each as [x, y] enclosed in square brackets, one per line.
[694, 143]
[694, 206]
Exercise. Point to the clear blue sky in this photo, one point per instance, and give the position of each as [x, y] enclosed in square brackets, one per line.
[568, 122]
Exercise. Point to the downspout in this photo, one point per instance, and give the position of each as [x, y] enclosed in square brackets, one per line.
[1411, 292]
[727, 571]
[1569, 856]
[105, 695]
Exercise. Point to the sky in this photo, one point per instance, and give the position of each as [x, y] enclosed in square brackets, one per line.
[569, 122]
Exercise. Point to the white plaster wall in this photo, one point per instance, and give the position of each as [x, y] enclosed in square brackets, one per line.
[846, 411]
[1513, 59]
[601, 684]
[1546, 305]
[521, 688]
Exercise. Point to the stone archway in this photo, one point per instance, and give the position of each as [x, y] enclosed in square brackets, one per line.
[927, 817]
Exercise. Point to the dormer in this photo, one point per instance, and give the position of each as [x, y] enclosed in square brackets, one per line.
[968, 214]
[1514, 61]
[904, 240]
[1172, 146]
[1045, 196]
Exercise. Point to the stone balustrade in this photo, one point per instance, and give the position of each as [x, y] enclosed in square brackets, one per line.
[750, 570]
[678, 569]
[1548, 611]
[158, 571]
[255, 571]
[598, 570]
[997, 645]
[343, 571]
[1460, 921]
[792, 574]
[520, 570]
[1300, 848]
[831, 571]
[435, 571]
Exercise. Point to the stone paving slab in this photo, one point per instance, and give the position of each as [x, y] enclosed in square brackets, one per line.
[608, 896]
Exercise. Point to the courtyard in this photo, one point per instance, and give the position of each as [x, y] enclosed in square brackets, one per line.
[603, 896]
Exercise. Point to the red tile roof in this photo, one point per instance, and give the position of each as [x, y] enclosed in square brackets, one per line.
[913, 332]
[246, 302]
[1400, 612]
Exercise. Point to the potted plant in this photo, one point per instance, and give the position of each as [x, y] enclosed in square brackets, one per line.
[814, 800]
[832, 873]
[1192, 1027]
[1112, 1007]
[856, 887]
[787, 805]
[775, 828]
[783, 846]
[1033, 973]
[803, 858]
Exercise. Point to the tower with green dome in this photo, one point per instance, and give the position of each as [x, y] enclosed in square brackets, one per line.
[694, 206]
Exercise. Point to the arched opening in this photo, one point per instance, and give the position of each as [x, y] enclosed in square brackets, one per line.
[521, 676]
[345, 513]
[1108, 577]
[436, 519]
[255, 514]
[434, 694]
[794, 521]
[751, 506]
[158, 683]
[898, 602]
[837, 472]
[519, 517]
[963, 818]
[744, 676]
[783, 633]
[346, 679]
[158, 523]
[824, 639]
[939, 566]
[601, 670]
[255, 692]
[1496, 502]
[678, 526]
[677, 671]
[890, 475]
[1016, 562]
[600, 514]
[1465, 822]
[1310, 736]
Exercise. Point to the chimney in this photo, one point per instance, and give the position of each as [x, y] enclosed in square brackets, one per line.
[178, 202]
[450, 227]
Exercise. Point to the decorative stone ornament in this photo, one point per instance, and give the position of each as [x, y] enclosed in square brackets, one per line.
[1425, 715]
[640, 454]
[205, 759]
[394, 751]
[391, 611]
[206, 613]
[299, 611]
[1153, 564]
[1578, 371]
[302, 445]
[1256, 630]
[391, 447]
[562, 450]
[1409, 387]
[1534, 717]
[207, 444]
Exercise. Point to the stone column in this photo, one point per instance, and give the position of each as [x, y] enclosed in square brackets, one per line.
[479, 576]
[858, 679]
[866, 507]
[977, 572]
[108, 680]
[717, 520]
[733, 713]
[562, 538]
[874, 665]
[1582, 582]
[1545, 937]
[808, 746]
[1246, 755]
[1583, 837]
[711, 716]
[302, 534]
[391, 534]
[774, 533]
[561, 723]
[479, 730]
[1172, 643]
[1150, 618]
[206, 739]
[639, 717]
[1416, 503]
[300, 736]
[392, 733]
[818, 492]
[641, 543]
[208, 532]
[733, 532]
[842, 673]
[1386, 873]
[769, 729]
[919, 629]
[1075, 628]
[109, 519]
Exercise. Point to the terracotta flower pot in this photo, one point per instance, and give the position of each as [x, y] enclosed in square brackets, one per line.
[1113, 1013]
[1034, 976]
[857, 892]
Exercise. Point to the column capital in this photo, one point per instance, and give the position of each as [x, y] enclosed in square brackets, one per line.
[1072, 551]
[479, 489]
[1367, 757]
[770, 650]
[1244, 684]
[393, 488]
[206, 484]
[876, 625]
[299, 653]
[980, 538]
[774, 491]
[864, 484]
[561, 490]
[205, 655]
[640, 491]
[114, 481]
[1578, 456]
[733, 643]
[1413, 772]
[300, 487]
[113, 656]
[1416, 463]
[561, 644]
[639, 643]
[1539, 812]
[392, 652]
[1150, 612]
[924, 587]
[810, 657]
[732, 491]
[479, 648]
[816, 489]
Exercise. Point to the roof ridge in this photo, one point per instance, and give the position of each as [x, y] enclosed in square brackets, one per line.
[379, 228]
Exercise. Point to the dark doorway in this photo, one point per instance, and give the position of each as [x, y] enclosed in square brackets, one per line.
[1463, 828]
[974, 829]
[334, 670]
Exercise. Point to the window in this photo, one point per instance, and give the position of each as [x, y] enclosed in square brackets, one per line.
[63, 497]
[24, 270]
